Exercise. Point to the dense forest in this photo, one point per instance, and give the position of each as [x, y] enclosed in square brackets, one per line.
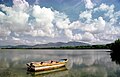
[115, 46]
[82, 47]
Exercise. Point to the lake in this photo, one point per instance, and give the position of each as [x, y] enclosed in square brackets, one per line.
[83, 63]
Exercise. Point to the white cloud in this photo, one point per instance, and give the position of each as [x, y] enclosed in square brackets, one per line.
[63, 24]
[16, 20]
[100, 24]
[1, 39]
[69, 33]
[89, 4]
[87, 36]
[106, 8]
[43, 25]
[45, 15]
[2, 15]
[14, 38]
[4, 32]
[20, 5]
[94, 26]
[76, 25]
[77, 37]
[102, 7]
[87, 15]
[61, 20]
[30, 22]
[37, 33]
[110, 11]
[111, 30]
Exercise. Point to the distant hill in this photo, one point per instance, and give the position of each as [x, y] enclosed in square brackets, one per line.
[58, 44]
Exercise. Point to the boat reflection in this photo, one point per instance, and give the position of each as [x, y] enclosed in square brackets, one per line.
[49, 73]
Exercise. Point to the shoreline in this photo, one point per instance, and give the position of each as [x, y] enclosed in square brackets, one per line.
[108, 50]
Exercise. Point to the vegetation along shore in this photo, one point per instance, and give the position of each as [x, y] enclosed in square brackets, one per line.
[113, 46]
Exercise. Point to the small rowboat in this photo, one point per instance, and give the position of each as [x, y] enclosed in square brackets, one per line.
[49, 73]
[46, 65]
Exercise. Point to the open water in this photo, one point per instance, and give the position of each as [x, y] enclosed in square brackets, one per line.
[82, 63]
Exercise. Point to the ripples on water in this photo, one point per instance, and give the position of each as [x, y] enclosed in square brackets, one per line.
[85, 63]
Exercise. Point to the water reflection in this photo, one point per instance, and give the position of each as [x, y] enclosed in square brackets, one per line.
[85, 63]
[115, 56]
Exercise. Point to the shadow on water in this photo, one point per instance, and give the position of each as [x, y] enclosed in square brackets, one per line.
[115, 56]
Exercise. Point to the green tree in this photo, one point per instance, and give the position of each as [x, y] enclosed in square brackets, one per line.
[116, 46]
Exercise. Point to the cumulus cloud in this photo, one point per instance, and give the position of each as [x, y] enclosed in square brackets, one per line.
[14, 38]
[13, 19]
[77, 37]
[2, 15]
[20, 5]
[102, 7]
[26, 24]
[4, 32]
[86, 15]
[102, 28]
[89, 4]
[34, 21]
[68, 33]
[43, 25]
[88, 36]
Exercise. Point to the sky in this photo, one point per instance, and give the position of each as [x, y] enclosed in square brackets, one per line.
[33, 22]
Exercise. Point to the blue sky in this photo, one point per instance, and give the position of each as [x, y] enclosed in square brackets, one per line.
[43, 21]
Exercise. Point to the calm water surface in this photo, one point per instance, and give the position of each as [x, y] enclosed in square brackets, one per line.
[84, 63]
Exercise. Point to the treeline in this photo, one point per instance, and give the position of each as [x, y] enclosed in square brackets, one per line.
[113, 46]
[82, 47]
[67, 47]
